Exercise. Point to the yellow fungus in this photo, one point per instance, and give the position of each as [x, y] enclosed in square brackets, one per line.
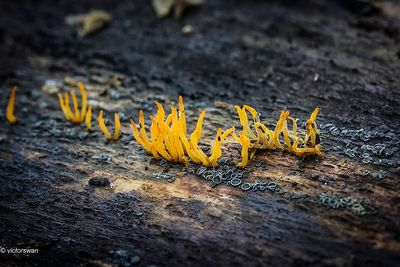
[245, 123]
[216, 151]
[157, 140]
[199, 154]
[10, 107]
[168, 136]
[103, 126]
[67, 107]
[84, 108]
[189, 149]
[62, 105]
[195, 136]
[311, 129]
[144, 143]
[281, 128]
[182, 116]
[266, 136]
[253, 112]
[117, 130]
[227, 133]
[142, 128]
[76, 116]
[88, 118]
[245, 142]
[104, 129]
[160, 112]
[306, 151]
[267, 139]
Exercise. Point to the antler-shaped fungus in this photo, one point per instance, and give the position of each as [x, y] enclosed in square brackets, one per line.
[168, 137]
[75, 116]
[267, 139]
[104, 129]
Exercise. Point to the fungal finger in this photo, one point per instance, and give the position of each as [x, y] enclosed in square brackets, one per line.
[158, 140]
[117, 130]
[145, 144]
[84, 101]
[62, 105]
[313, 116]
[103, 127]
[245, 142]
[182, 116]
[168, 120]
[279, 129]
[167, 136]
[67, 107]
[76, 116]
[175, 120]
[160, 112]
[10, 107]
[245, 123]
[266, 134]
[195, 136]
[235, 138]
[216, 151]
[253, 112]
[227, 133]
[189, 150]
[88, 118]
[143, 133]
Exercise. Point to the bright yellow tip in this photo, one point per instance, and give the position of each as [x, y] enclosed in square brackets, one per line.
[117, 130]
[245, 122]
[227, 133]
[160, 112]
[142, 127]
[10, 107]
[313, 116]
[84, 101]
[195, 136]
[253, 113]
[281, 127]
[103, 126]
[88, 118]
[182, 116]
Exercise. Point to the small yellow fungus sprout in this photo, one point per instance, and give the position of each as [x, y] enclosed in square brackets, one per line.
[168, 137]
[216, 151]
[104, 129]
[10, 107]
[76, 116]
[267, 139]
[310, 145]
[88, 118]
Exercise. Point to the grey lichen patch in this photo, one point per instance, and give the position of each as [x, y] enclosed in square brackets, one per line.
[227, 173]
[168, 177]
[349, 203]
